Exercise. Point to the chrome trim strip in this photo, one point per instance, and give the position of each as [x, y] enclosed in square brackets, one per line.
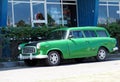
[21, 57]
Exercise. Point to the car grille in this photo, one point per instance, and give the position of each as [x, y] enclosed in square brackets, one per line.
[29, 50]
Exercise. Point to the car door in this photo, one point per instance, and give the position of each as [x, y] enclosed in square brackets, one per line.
[77, 44]
[92, 42]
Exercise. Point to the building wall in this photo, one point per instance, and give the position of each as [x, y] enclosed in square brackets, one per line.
[88, 12]
[3, 12]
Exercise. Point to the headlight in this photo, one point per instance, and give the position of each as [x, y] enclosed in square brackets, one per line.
[19, 48]
[38, 46]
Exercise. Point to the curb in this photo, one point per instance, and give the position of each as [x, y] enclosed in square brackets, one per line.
[11, 64]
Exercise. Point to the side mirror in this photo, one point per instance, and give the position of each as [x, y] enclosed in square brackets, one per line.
[70, 36]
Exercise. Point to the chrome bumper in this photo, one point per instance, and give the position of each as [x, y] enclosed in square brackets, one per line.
[21, 57]
[115, 49]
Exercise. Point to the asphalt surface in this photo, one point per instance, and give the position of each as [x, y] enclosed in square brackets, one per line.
[87, 71]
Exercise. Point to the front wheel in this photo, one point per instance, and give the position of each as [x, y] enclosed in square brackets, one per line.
[53, 58]
[102, 54]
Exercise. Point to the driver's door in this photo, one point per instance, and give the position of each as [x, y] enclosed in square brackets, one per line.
[77, 44]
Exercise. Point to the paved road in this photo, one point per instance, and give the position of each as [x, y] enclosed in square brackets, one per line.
[90, 71]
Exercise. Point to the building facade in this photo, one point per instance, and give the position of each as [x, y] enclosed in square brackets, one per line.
[51, 12]
[59, 12]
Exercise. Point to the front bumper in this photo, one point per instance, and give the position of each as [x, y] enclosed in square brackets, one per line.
[115, 49]
[22, 57]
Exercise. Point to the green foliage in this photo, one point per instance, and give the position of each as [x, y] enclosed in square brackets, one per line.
[13, 36]
[113, 28]
[25, 33]
[21, 23]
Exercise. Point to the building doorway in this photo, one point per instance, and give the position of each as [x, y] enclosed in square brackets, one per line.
[70, 15]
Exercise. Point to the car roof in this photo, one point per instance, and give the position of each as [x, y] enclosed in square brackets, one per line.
[83, 28]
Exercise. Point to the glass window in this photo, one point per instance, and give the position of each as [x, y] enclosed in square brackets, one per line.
[90, 34]
[102, 15]
[54, 14]
[69, 1]
[22, 14]
[113, 15]
[57, 35]
[38, 11]
[38, 0]
[58, 13]
[113, 3]
[80, 34]
[21, 0]
[101, 33]
[70, 15]
[53, 0]
[38, 14]
[9, 15]
[77, 34]
[103, 2]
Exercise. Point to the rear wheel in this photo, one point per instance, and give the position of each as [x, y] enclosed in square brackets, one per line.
[29, 62]
[102, 54]
[53, 58]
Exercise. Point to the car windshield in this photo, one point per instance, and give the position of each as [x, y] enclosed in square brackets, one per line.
[57, 35]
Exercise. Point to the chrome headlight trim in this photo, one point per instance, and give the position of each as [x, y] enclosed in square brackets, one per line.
[19, 48]
[38, 46]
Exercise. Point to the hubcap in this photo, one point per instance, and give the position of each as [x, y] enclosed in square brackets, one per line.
[102, 54]
[54, 58]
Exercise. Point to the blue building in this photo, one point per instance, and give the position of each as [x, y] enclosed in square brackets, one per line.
[50, 12]
[59, 12]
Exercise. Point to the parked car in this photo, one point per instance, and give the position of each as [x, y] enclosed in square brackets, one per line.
[69, 43]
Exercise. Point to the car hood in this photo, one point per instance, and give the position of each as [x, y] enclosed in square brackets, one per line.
[34, 43]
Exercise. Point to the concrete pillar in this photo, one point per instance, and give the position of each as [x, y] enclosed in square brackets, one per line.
[88, 12]
[3, 12]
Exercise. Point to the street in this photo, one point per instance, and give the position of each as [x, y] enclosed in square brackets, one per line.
[90, 71]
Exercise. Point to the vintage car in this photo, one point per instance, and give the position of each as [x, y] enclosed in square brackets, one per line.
[69, 43]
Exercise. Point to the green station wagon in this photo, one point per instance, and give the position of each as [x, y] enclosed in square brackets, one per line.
[69, 43]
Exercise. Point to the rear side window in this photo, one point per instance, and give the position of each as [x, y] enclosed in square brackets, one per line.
[90, 33]
[101, 33]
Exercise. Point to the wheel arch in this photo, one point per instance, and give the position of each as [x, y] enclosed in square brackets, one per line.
[59, 51]
[104, 48]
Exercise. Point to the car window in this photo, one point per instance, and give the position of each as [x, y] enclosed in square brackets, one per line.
[89, 33]
[57, 35]
[76, 34]
[102, 33]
